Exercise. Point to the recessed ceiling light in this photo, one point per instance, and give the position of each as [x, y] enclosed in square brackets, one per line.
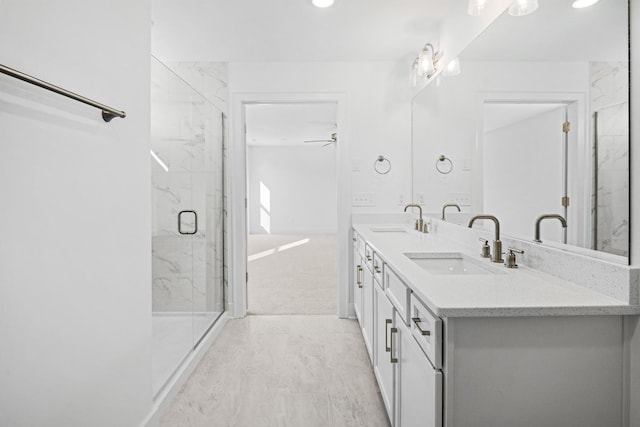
[579, 4]
[322, 3]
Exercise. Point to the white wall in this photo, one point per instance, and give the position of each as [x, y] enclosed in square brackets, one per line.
[523, 174]
[447, 117]
[378, 115]
[301, 183]
[75, 297]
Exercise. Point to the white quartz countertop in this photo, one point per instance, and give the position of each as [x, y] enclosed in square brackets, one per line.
[511, 292]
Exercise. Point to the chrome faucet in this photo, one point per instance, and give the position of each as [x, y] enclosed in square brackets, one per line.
[545, 216]
[497, 244]
[419, 222]
[449, 205]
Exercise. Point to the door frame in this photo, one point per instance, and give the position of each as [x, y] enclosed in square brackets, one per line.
[237, 191]
[579, 139]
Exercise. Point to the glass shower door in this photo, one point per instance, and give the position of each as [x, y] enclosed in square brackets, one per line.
[186, 170]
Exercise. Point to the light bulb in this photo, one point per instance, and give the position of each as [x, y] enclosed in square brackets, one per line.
[413, 77]
[579, 4]
[425, 61]
[322, 3]
[453, 68]
[476, 7]
[523, 7]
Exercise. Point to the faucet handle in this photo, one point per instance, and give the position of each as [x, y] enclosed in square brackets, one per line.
[510, 259]
[485, 250]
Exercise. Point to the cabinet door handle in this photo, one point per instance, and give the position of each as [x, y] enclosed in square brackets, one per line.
[417, 321]
[359, 276]
[391, 358]
[368, 257]
[387, 347]
[377, 269]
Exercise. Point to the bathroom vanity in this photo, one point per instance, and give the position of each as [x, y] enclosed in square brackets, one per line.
[456, 340]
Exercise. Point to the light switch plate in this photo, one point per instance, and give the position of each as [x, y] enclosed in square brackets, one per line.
[363, 199]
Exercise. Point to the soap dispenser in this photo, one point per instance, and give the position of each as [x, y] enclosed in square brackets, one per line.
[485, 251]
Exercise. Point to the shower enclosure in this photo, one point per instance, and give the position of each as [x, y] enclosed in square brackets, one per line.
[187, 137]
[610, 189]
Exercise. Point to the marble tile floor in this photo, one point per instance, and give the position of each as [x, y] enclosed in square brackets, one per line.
[174, 335]
[282, 370]
[292, 274]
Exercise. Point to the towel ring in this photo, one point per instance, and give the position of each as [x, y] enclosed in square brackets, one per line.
[380, 166]
[444, 165]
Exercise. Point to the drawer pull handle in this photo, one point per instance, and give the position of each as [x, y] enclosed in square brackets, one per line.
[391, 358]
[417, 321]
[387, 347]
[377, 269]
[368, 257]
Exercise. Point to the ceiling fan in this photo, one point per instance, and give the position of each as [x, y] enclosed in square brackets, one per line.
[333, 140]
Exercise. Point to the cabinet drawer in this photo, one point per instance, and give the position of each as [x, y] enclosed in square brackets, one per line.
[358, 243]
[426, 328]
[399, 294]
[377, 268]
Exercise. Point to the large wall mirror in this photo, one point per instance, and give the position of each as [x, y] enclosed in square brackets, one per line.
[535, 122]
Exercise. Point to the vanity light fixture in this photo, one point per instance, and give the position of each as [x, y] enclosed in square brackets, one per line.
[427, 61]
[322, 3]
[579, 4]
[523, 7]
[414, 73]
[476, 7]
[452, 68]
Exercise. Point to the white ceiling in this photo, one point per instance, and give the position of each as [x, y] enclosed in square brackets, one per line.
[556, 32]
[290, 124]
[293, 30]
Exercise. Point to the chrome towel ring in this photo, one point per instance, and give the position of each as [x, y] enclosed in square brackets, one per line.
[444, 165]
[382, 165]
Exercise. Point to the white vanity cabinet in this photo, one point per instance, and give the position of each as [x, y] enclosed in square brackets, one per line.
[418, 383]
[410, 385]
[367, 313]
[363, 285]
[499, 371]
[383, 366]
[358, 277]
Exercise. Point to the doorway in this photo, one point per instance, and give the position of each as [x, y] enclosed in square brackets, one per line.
[291, 153]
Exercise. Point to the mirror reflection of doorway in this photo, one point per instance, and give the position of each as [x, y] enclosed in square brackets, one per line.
[291, 208]
[526, 153]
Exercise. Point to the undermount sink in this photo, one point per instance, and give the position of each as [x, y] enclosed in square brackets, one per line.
[388, 230]
[450, 263]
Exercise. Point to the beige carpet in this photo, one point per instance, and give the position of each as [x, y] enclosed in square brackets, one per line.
[292, 274]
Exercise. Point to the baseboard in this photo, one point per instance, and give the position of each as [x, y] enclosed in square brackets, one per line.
[352, 311]
[170, 390]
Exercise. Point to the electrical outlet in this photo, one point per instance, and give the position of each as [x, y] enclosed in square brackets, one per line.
[363, 199]
[462, 199]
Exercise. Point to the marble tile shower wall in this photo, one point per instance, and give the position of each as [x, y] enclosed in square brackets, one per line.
[187, 134]
[610, 207]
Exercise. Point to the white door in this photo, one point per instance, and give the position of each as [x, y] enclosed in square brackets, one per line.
[383, 368]
[418, 384]
[358, 276]
[367, 309]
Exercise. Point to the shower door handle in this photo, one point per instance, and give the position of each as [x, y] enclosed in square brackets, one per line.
[195, 216]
